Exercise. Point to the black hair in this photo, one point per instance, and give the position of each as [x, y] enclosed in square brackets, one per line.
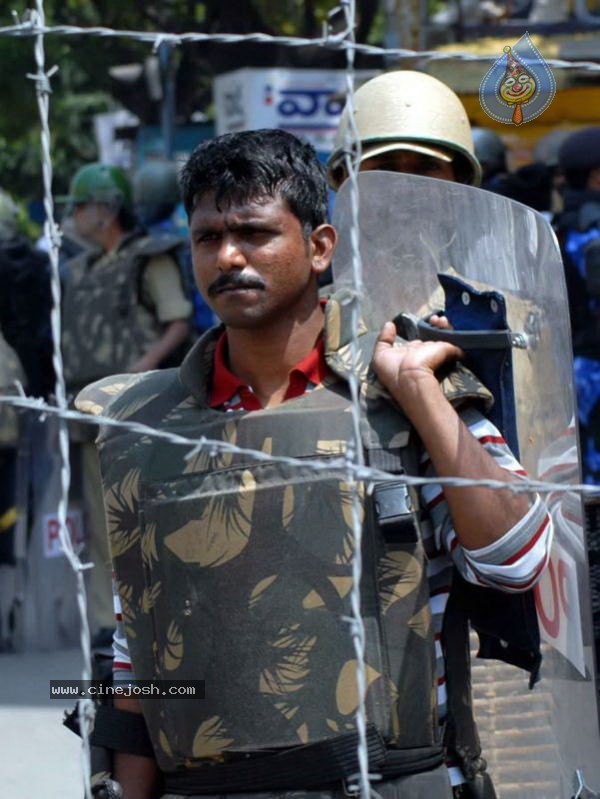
[247, 166]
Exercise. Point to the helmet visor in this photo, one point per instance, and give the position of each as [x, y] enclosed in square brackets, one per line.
[370, 151]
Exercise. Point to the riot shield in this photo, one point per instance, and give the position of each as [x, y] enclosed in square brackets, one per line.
[413, 229]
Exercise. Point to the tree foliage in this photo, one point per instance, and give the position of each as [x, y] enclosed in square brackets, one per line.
[84, 87]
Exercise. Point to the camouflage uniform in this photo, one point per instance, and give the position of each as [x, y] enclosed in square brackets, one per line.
[111, 317]
[109, 322]
[274, 543]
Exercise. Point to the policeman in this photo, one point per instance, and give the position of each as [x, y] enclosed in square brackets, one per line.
[530, 184]
[238, 571]
[490, 151]
[578, 228]
[25, 364]
[124, 308]
[409, 122]
[156, 196]
[11, 376]
[25, 301]
[156, 200]
[579, 234]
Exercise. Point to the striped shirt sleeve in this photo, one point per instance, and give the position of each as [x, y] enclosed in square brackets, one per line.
[515, 561]
[122, 668]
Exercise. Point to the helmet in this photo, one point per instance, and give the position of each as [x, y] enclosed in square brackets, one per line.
[490, 150]
[547, 147]
[100, 183]
[8, 216]
[581, 151]
[410, 111]
[156, 182]
[155, 191]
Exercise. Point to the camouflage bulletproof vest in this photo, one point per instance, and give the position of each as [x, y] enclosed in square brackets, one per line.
[11, 371]
[238, 572]
[106, 328]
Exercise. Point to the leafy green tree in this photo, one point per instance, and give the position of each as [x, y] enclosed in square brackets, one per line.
[83, 86]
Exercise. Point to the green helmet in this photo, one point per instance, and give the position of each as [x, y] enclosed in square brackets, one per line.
[8, 216]
[100, 183]
[156, 182]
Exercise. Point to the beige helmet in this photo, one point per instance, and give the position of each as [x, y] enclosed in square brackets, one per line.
[406, 110]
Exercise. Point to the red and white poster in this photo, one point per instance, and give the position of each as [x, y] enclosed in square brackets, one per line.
[52, 545]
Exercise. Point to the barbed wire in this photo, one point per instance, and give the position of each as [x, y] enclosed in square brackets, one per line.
[364, 473]
[42, 84]
[332, 41]
[352, 462]
[355, 455]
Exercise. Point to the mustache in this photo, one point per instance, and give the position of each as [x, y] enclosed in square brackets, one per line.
[234, 280]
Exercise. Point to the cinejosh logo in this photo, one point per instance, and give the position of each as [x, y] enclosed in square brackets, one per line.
[520, 85]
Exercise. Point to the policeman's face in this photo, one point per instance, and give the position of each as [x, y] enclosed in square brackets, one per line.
[411, 163]
[253, 263]
[89, 218]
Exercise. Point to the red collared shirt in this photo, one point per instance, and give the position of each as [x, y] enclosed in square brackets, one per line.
[229, 393]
